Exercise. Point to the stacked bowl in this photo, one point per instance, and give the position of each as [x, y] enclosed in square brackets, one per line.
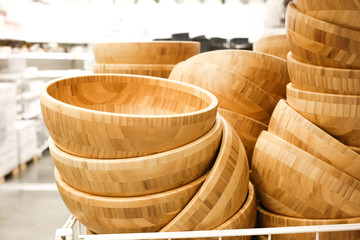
[155, 58]
[276, 45]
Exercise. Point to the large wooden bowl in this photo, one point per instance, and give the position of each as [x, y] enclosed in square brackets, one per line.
[343, 13]
[235, 93]
[142, 175]
[267, 219]
[127, 214]
[121, 116]
[295, 129]
[321, 43]
[223, 192]
[267, 71]
[155, 70]
[355, 149]
[337, 114]
[157, 52]
[306, 186]
[247, 128]
[276, 45]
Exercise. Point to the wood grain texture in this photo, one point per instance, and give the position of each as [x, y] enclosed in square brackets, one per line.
[234, 92]
[247, 128]
[315, 78]
[155, 70]
[267, 71]
[127, 214]
[321, 43]
[121, 116]
[268, 220]
[306, 185]
[355, 149]
[142, 175]
[343, 13]
[295, 129]
[223, 192]
[157, 52]
[276, 45]
[337, 114]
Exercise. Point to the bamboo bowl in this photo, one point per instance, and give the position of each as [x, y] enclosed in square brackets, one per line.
[321, 43]
[337, 114]
[121, 116]
[268, 72]
[295, 129]
[235, 93]
[323, 79]
[142, 175]
[321, 191]
[223, 192]
[128, 214]
[157, 52]
[155, 70]
[355, 149]
[267, 219]
[276, 45]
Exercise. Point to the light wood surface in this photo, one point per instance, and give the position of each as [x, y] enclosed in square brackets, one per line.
[340, 12]
[295, 129]
[157, 52]
[323, 79]
[127, 214]
[276, 45]
[223, 192]
[121, 116]
[268, 220]
[247, 128]
[142, 175]
[155, 70]
[267, 71]
[302, 183]
[234, 92]
[337, 114]
[321, 43]
[355, 149]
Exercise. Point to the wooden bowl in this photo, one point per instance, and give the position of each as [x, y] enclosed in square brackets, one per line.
[355, 149]
[155, 70]
[128, 214]
[337, 114]
[276, 45]
[157, 52]
[268, 72]
[267, 219]
[321, 43]
[247, 128]
[121, 116]
[343, 13]
[223, 192]
[306, 185]
[315, 78]
[235, 93]
[295, 129]
[142, 175]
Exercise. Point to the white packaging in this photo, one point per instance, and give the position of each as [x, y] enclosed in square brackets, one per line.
[26, 140]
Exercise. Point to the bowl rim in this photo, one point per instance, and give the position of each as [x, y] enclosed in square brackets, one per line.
[165, 66]
[195, 43]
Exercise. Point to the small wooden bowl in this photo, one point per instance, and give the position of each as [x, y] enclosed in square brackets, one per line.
[121, 116]
[343, 13]
[235, 93]
[155, 70]
[157, 52]
[315, 78]
[268, 72]
[128, 214]
[276, 45]
[267, 219]
[337, 114]
[321, 43]
[142, 175]
[295, 129]
[247, 128]
[306, 185]
[223, 192]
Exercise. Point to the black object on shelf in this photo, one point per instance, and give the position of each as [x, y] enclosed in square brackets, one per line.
[217, 43]
[180, 37]
[204, 43]
[240, 43]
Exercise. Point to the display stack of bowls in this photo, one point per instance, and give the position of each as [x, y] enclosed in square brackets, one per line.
[276, 45]
[155, 58]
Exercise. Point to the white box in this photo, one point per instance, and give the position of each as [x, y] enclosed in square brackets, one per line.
[26, 140]
[8, 154]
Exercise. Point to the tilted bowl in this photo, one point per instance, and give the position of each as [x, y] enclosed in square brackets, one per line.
[276, 45]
